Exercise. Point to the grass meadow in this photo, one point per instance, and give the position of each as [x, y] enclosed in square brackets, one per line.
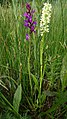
[33, 74]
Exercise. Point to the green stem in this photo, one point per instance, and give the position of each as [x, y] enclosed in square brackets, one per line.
[41, 63]
[29, 68]
[62, 16]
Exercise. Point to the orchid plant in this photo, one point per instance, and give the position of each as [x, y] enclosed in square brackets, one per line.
[30, 24]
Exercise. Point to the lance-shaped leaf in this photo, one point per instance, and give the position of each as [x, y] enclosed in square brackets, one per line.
[17, 98]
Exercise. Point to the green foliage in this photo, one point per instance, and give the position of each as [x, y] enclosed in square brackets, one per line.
[8, 115]
[58, 104]
[63, 74]
[17, 98]
[59, 101]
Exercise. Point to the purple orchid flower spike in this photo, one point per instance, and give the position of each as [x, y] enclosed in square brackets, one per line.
[29, 22]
